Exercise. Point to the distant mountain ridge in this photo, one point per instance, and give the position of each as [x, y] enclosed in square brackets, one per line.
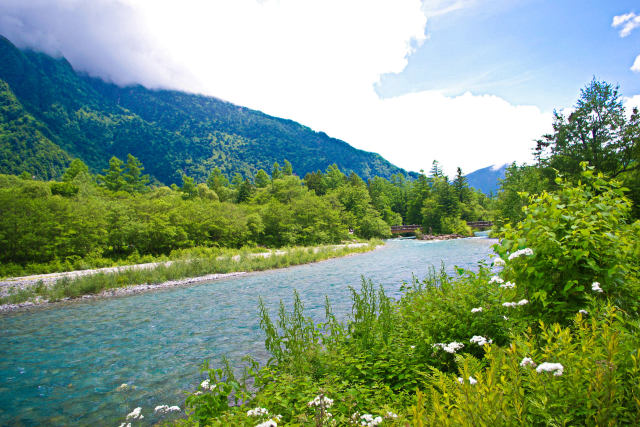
[486, 179]
[171, 132]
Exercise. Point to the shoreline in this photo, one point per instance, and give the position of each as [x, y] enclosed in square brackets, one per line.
[149, 287]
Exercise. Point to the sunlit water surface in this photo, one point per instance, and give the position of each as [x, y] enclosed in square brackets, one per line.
[61, 365]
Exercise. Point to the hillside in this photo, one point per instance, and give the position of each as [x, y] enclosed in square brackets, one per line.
[170, 132]
[486, 179]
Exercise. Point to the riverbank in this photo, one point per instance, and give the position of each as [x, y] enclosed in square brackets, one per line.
[34, 291]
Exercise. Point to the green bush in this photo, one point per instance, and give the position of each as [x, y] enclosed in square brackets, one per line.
[579, 235]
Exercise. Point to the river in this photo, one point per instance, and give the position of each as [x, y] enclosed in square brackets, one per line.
[61, 365]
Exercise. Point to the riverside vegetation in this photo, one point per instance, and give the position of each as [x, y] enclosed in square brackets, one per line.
[547, 334]
[87, 221]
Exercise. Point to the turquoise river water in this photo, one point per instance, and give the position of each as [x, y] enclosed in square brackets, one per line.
[61, 365]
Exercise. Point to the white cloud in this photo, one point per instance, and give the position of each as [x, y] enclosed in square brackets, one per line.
[636, 65]
[631, 102]
[313, 61]
[628, 22]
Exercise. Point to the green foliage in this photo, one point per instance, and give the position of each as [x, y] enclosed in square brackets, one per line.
[419, 357]
[597, 132]
[48, 112]
[578, 235]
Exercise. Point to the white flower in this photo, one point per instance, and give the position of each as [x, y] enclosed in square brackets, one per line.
[206, 384]
[197, 393]
[163, 409]
[123, 387]
[496, 279]
[527, 361]
[390, 415]
[257, 412]
[476, 310]
[505, 317]
[516, 254]
[125, 425]
[585, 312]
[480, 340]
[556, 368]
[595, 286]
[452, 347]
[321, 401]
[499, 262]
[135, 414]
[369, 420]
[268, 423]
[515, 304]
[508, 285]
[472, 380]
[278, 417]
[412, 347]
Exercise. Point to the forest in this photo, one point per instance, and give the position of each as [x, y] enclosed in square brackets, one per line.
[87, 220]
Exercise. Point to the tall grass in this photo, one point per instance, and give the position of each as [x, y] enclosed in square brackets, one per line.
[209, 262]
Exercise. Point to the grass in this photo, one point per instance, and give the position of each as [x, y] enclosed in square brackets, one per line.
[208, 262]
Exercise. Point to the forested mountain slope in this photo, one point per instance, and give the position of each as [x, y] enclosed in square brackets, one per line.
[170, 132]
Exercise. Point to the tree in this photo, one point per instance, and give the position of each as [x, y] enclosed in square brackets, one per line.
[288, 169]
[135, 182]
[76, 167]
[189, 189]
[262, 179]
[597, 131]
[112, 178]
[245, 191]
[217, 180]
[276, 172]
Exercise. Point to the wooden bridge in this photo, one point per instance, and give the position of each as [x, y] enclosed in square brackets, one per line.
[404, 229]
[480, 224]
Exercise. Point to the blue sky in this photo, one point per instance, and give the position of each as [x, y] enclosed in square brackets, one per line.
[470, 83]
[536, 52]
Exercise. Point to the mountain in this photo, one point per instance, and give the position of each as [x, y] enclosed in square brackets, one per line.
[486, 179]
[62, 114]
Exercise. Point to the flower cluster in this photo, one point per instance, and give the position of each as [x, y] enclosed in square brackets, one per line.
[499, 262]
[136, 414]
[556, 368]
[585, 312]
[480, 340]
[476, 310]
[508, 285]
[595, 287]
[268, 423]
[527, 361]
[125, 425]
[515, 304]
[472, 380]
[206, 385]
[516, 254]
[391, 415]
[257, 412]
[370, 420]
[321, 400]
[495, 279]
[163, 409]
[452, 347]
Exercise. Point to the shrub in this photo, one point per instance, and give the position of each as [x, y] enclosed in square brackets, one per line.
[579, 235]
